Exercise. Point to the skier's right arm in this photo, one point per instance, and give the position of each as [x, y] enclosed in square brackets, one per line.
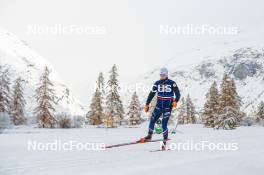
[152, 94]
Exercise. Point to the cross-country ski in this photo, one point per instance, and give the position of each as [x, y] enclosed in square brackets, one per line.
[141, 141]
[159, 150]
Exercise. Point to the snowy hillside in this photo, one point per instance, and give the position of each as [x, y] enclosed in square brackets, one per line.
[245, 64]
[28, 64]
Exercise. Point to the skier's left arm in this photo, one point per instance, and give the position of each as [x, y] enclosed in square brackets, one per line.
[176, 92]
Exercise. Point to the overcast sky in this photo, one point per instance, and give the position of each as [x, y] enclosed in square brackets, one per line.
[132, 37]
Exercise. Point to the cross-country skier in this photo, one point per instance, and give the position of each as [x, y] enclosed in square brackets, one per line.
[168, 95]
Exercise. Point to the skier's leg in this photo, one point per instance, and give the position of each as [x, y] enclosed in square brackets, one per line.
[166, 117]
[155, 116]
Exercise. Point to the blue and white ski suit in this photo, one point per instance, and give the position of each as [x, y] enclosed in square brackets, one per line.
[167, 91]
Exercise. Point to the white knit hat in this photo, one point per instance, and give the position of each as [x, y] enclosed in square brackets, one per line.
[164, 71]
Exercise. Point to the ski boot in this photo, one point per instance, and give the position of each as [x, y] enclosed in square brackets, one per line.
[163, 147]
[146, 139]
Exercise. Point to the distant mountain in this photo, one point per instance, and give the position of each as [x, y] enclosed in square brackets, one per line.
[245, 65]
[25, 62]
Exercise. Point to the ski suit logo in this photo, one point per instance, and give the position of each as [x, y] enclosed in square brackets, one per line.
[164, 88]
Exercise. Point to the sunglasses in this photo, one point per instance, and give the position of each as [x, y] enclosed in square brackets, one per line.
[163, 75]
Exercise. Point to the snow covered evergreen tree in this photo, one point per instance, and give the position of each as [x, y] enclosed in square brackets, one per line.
[229, 96]
[78, 121]
[134, 113]
[237, 99]
[18, 104]
[182, 116]
[229, 105]
[187, 113]
[228, 118]
[64, 120]
[211, 107]
[45, 97]
[95, 115]
[260, 112]
[100, 83]
[115, 111]
[5, 98]
[101, 86]
[190, 110]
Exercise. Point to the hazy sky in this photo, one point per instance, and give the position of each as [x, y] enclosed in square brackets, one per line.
[132, 40]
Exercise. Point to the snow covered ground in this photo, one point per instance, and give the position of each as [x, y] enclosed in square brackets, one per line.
[15, 157]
